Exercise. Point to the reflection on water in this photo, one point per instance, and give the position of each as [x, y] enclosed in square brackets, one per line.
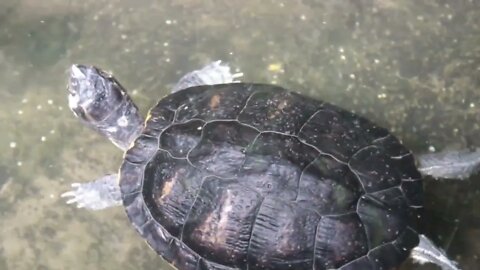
[410, 66]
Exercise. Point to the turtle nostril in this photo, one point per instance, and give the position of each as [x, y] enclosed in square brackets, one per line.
[77, 71]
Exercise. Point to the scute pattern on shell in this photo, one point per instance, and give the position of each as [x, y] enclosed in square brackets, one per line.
[251, 176]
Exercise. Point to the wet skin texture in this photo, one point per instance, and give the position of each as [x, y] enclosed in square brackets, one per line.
[250, 176]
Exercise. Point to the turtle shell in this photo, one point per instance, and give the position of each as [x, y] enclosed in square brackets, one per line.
[252, 176]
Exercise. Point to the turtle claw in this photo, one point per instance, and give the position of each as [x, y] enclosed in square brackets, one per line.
[80, 195]
[80, 205]
[95, 195]
[73, 200]
[71, 194]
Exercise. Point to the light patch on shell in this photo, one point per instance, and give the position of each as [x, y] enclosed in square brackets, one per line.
[227, 208]
[168, 186]
[220, 220]
[122, 121]
[214, 102]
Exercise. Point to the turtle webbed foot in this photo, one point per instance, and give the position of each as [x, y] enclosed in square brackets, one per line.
[96, 195]
[453, 164]
[211, 74]
[428, 252]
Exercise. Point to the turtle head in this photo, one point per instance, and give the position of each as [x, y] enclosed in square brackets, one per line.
[93, 93]
[97, 98]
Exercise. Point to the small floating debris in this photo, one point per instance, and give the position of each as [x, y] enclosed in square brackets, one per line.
[275, 67]
[382, 95]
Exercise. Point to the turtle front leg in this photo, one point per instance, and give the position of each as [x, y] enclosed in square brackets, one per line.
[96, 195]
[428, 252]
[450, 164]
[213, 73]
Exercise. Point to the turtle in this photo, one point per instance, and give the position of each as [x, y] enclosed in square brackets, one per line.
[224, 174]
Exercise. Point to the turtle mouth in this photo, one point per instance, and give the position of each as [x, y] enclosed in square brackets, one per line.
[77, 88]
[77, 73]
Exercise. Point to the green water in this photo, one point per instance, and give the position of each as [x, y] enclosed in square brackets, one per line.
[412, 66]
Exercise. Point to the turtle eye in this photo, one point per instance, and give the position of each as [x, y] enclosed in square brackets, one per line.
[104, 74]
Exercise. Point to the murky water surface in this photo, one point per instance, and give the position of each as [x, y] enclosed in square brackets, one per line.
[411, 66]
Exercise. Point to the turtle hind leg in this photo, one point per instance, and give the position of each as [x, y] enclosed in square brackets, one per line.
[450, 164]
[95, 195]
[213, 73]
[428, 252]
